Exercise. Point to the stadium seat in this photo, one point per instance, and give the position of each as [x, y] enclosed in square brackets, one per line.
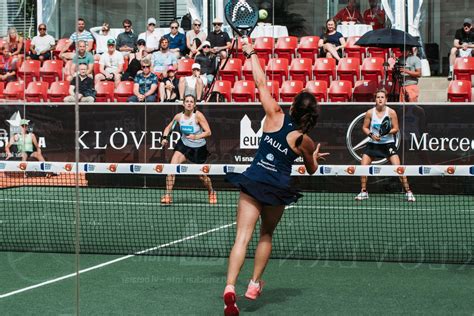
[247, 68]
[464, 68]
[352, 50]
[308, 47]
[286, 47]
[340, 91]
[325, 69]
[300, 70]
[26, 45]
[52, 70]
[274, 88]
[123, 91]
[460, 91]
[29, 70]
[37, 91]
[277, 69]
[14, 90]
[372, 69]
[58, 91]
[319, 88]
[60, 45]
[96, 67]
[364, 91]
[238, 53]
[184, 67]
[349, 69]
[104, 91]
[1, 90]
[244, 91]
[232, 70]
[289, 89]
[263, 46]
[225, 88]
[377, 52]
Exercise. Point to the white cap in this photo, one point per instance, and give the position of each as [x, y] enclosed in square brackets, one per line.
[196, 66]
[151, 21]
[206, 43]
[217, 21]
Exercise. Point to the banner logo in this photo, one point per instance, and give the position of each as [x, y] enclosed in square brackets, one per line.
[249, 139]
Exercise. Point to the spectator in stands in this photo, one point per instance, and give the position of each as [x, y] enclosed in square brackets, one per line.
[194, 84]
[7, 65]
[177, 40]
[80, 35]
[410, 73]
[102, 35]
[169, 86]
[81, 57]
[350, 13]
[151, 36]
[14, 43]
[207, 60]
[375, 15]
[111, 64]
[26, 143]
[463, 44]
[85, 92]
[220, 40]
[331, 43]
[42, 44]
[145, 86]
[196, 32]
[135, 64]
[127, 41]
[163, 58]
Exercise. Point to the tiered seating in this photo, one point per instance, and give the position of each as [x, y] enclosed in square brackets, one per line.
[464, 68]
[232, 70]
[184, 67]
[274, 88]
[52, 70]
[15, 90]
[223, 87]
[286, 47]
[37, 92]
[2, 87]
[58, 91]
[123, 91]
[377, 52]
[352, 50]
[60, 45]
[460, 91]
[308, 47]
[364, 91]
[319, 89]
[247, 68]
[277, 69]
[340, 91]
[29, 70]
[349, 69]
[290, 89]
[372, 69]
[325, 69]
[301, 69]
[263, 46]
[104, 91]
[243, 91]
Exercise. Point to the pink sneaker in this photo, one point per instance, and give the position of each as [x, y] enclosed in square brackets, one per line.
[230, 308]
[254, 290]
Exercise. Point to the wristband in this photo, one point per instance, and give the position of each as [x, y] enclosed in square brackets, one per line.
[165, 137]
[370, 134]
[249, 54]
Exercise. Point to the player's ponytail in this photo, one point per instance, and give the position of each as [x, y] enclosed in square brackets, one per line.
[305, 113]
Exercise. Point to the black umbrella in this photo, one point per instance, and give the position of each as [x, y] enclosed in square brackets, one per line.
[387, 38]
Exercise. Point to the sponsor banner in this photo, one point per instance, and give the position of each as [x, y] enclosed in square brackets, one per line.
[429, 134]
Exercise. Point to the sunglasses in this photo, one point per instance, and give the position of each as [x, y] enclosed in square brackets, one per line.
[152, 24]
[217, 24]
[174, 27]
[197, 24]
[145, 66]
[42, 29]
[127, 26]
[206, 46]
[467, 25]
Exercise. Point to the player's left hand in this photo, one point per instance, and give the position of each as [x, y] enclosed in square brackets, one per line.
[317, 155]
[191, 136]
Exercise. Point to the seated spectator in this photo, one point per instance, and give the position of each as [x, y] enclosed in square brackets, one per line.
[169, 86]
[207, 60]
[177, 40]
[127, 41]
[375, 15]
[135, 61]
[193, 84]
[146, 83]
[195, 33]
[350, 13]
[86, 91]
[102, 35]
[42, 44]
[26, 144]
[111, 64]
[14, 44]
[80, 35]
[331, 43]
[163, 58]
[81, 57]
[463, 44]
[7, 65]
[151, 36]
[410, 73]
[220, 40]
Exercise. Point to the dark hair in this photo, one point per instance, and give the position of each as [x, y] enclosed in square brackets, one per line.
[174, 21]
[305, 113]
[326, 24]
[81, 19]
[127, 21]
[190, 95]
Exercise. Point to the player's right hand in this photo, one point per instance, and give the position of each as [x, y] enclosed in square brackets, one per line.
[164, 142]
[317, 155]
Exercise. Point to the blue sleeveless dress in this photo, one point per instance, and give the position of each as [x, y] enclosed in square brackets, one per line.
[268, 177]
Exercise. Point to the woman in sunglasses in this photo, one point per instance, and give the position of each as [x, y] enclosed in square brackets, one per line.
[207, 60]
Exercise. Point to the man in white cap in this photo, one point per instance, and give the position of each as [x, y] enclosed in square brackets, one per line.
[193, 84]
[207, 60]
[111, 64]
[463, 44]
[195, 33]
[151, 36]
[220, 40]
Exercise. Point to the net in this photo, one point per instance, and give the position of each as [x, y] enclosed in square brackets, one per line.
[121, 213]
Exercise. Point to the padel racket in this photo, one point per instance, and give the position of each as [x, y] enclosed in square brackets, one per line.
[385, 126]
[242, 16]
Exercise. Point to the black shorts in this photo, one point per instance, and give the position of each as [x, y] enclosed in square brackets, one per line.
[195, 155]
[380, 150]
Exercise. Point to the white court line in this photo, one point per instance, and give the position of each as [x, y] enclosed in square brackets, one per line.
[114, 261]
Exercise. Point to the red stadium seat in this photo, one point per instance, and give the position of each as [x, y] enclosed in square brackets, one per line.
[104, 91]
[96, 67]
[123, 91]
[286, 47]
[308, 47]
[372, 69]
[247, 68]
[184, 67]
[1, 90]
[319, 88]
[352, 50]
[26, 45]
[238, 53]
[52, 70]
[277, 69]
[264, 47]
[14, 90]
[37, 92]
[289, 89]
[58, 91]
[325, 69]
[60, 45]
[232, 70]
[364, 91]
[29, 70]
[464, 68]
[224, 88]
[349, 69]
[340, 91]
[274, 88]
[378, 52]
[460, 91]
[300, 69]
[244, 91]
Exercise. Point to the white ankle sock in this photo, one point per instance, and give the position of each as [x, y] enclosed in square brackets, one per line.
[253, 283]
